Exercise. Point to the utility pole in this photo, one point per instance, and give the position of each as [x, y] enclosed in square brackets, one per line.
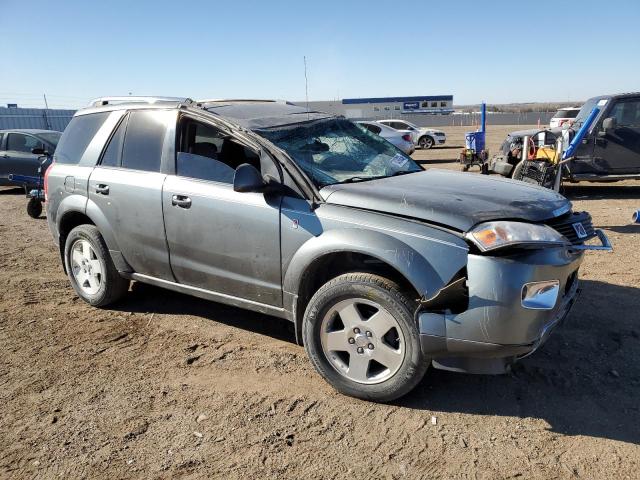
[46, 109]
[306, 88]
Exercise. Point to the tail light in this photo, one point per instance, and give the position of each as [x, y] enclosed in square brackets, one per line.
[406, 137]
[46, 179]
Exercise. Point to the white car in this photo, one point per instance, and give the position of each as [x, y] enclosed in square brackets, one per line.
[422, 137]
[399, 138]
[564, 115]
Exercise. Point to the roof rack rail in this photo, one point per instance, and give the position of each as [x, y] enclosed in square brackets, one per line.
[239, 100]
[138, 99]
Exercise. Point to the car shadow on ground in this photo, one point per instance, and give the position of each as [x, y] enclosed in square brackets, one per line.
[11, 191]
[145, 298]
[631, 228]
[584, 381]
[432, 162]
[448, 147]
[601, 192]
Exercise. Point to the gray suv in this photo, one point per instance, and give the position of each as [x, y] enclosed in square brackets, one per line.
[382, 268]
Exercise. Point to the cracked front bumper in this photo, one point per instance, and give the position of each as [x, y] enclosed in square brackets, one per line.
[496, 329]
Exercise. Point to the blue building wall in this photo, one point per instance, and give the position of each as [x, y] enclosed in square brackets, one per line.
[37, 118]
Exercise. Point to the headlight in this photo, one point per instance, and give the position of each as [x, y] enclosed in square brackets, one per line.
[492, 235]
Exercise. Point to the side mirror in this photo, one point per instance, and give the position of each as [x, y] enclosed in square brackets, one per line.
[39, 151]
[248, 179]
[609, 125]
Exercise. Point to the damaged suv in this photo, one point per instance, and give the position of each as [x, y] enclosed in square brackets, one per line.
[383, 268]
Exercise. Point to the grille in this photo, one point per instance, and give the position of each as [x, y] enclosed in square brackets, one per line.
[565, 226]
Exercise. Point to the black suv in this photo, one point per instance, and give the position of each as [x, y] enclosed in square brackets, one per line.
[610, 150]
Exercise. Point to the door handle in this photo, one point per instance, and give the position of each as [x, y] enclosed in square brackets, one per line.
[181, 201]
[102, 189]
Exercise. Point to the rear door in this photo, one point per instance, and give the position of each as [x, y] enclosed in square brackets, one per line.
[219, 239]
[620, 149]
[126, 187]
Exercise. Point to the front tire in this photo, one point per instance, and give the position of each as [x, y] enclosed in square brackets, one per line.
[426, 142]
[90, 268]
[360, 334]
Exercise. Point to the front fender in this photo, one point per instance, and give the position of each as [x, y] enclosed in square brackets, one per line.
[417, 261]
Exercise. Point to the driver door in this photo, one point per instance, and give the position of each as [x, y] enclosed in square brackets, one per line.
[221, 240]
[620, 148]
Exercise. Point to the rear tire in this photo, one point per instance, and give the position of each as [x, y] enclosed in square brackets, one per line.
[90, 268]
[360, 334]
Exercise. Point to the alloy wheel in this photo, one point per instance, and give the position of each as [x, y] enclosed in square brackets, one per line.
[362, 341]
[86, 267]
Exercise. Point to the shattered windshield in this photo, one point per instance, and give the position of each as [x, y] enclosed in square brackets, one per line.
[335, 150]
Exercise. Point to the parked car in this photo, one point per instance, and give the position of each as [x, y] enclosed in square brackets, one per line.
[399, 138]
[611, 149]
[422, 137]
[382, 267]
[563, 115]
[21, 152]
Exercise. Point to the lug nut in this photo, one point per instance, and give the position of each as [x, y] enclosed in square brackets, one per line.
[368, 333]
[360, 350]
[356, 330]
[351, 340]
[370, 346]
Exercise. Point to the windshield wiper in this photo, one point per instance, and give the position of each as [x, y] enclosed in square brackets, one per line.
[358, 178]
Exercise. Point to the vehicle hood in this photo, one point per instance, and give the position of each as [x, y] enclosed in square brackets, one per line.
[431, 130]
[453, 199]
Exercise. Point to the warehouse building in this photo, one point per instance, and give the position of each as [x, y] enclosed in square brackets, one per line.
[386, 107]
[38, 118]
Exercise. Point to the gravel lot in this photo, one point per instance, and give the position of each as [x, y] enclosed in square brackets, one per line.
[164, 385]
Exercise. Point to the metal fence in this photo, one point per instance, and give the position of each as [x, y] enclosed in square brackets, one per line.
[36, 118]
[473, 119]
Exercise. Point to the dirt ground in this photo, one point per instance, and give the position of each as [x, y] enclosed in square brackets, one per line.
[164, 385]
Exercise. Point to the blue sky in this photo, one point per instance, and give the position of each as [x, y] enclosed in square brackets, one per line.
[500, 51]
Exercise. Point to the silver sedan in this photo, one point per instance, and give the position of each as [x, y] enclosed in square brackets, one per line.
[399, 138]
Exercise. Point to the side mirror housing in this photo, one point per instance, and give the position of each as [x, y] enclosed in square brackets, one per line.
[608, 125]
[39, 151]
[248, 179]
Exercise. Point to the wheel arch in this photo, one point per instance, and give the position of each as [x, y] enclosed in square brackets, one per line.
[425, 135]
[337, 252]
[72, 214]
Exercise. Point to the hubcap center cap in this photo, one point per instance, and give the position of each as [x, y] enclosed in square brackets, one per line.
[361, 340]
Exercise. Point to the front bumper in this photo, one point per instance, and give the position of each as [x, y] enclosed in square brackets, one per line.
[440, 139]
[495, 330]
